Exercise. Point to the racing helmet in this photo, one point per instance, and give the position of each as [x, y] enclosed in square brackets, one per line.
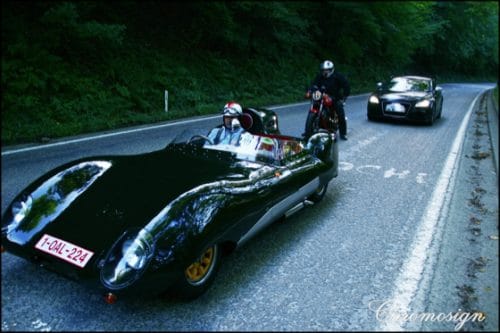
[232, 109]
[327, 68]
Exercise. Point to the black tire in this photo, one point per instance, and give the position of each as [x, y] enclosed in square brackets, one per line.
[318, 195]
[440, 110]
[430, 121]
[373, 118]
[198, 276]
[311, 124]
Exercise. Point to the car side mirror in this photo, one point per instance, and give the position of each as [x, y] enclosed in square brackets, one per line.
[438, 88]
[379, 85]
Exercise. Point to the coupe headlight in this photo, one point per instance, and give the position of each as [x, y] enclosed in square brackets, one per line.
[373, 100]
[127, 260]
[21, 208]
[423, 104]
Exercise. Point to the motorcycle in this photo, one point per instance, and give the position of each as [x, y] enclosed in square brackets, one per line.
[322, 112]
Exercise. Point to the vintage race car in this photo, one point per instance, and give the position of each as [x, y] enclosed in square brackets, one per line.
[160, 221]
[413, 98]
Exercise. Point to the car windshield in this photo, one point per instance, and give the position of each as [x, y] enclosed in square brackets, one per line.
[269, 149]
[401, 84]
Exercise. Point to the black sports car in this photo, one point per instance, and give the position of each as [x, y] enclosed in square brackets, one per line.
[406, 97]
[161, 220]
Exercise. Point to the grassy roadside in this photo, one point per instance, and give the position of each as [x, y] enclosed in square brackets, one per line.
[52, 98]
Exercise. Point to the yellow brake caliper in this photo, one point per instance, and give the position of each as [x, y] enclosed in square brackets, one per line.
[197, 270]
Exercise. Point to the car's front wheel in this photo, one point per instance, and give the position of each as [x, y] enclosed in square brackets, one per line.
[440, 109]
[200, 274]
[372, 117]
[430, 121]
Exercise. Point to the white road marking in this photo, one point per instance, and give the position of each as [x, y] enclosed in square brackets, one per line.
[106, 135]
[420, 177]
[358, 169]
[392, 172]
[413, 267]
[348, 166]
[345, 166]
[40, 325]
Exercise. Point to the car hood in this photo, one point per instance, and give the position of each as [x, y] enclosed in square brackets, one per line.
[92, 202]
[410, 95]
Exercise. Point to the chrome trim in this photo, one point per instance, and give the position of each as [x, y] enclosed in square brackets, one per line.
[280, 209]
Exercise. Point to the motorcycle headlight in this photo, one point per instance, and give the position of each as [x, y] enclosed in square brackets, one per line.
[373, 100]
[127, 260]
[316, 95]
[423, 104]
[21, 208]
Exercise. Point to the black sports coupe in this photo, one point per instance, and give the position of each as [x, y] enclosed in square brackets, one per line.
[406, 97]
[160, 221]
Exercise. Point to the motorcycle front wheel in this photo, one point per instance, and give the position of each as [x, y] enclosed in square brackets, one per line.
[311, 124]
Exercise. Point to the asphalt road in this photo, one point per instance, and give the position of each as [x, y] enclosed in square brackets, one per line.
[324, 268]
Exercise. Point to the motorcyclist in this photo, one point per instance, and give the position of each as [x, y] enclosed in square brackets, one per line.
[337, 87]
[231, 130]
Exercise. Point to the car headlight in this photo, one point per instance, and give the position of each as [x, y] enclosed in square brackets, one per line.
[423, 104]
[135, 253]
[21, 208]
[373, 100]
[127, 260]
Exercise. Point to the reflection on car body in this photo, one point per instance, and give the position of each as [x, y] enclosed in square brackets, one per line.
[161, 220]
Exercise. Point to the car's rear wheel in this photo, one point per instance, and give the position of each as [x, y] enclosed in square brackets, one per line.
[200, 274]
[318, 195]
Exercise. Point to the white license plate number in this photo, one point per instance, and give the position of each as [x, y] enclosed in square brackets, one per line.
[64, 250]
[395, 107]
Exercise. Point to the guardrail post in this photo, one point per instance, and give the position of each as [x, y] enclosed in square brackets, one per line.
[166, 100]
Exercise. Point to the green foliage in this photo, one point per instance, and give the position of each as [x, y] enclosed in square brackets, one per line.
[467, 42]
[88, 42]
[70, 67]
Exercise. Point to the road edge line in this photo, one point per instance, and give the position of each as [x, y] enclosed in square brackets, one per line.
[406, 286]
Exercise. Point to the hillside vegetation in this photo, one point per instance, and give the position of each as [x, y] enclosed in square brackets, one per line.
[77, 67]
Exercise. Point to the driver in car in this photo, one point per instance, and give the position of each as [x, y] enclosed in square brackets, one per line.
[231, 131]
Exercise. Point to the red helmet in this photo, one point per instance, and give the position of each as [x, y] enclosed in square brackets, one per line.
[232, 109]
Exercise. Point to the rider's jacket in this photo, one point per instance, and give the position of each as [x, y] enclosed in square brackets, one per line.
[336, 85]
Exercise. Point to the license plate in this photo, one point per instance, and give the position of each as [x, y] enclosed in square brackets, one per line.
[64, 250]
[395, 107]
